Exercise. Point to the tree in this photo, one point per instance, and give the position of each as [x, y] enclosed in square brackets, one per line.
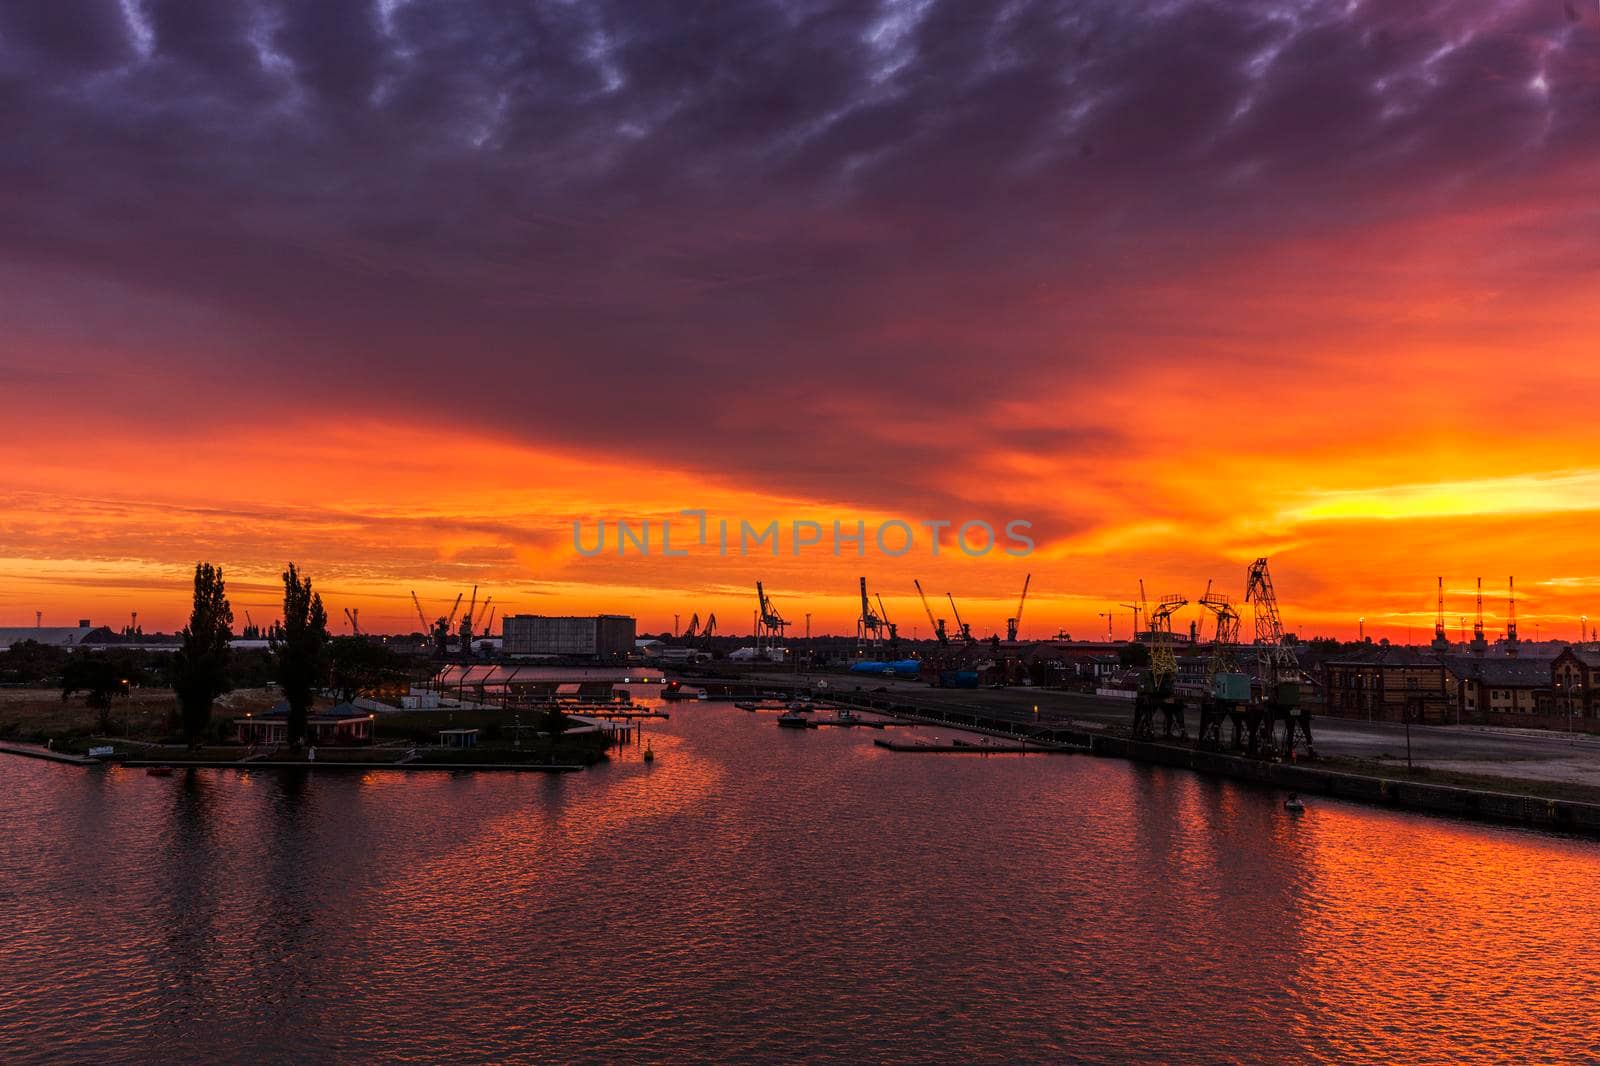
[361, 665]
[200, 666]
[28, 662]
[300, 644]
[100, 678]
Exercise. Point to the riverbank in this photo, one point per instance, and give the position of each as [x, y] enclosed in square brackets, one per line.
[1555, 806]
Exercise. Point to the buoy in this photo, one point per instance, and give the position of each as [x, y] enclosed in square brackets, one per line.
[649, 755]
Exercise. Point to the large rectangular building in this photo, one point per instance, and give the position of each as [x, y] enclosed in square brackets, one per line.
[601, 638]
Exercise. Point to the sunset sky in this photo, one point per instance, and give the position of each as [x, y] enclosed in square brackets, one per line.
[399, 290]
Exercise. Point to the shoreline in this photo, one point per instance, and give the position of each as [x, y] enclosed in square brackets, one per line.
[1473, 803]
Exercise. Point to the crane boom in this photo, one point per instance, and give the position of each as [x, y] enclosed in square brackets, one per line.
[448, 622]
[1278, 662]
[1013, 624]
[883, 613]
[961, 627]
[936, 623]
[420, 616]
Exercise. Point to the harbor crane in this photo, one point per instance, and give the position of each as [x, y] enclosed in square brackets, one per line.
[710, 629]
[937, 623]
[869, 627]
[1137, 608]
[894, 631]
[1279, 669]
[961, 627]
[421, 617]
[1158, 685]
[694, 627]
[770, 622]
[1227, 690]
[1478, 641]
[1012, 624]
[353, 618]
[1441, 639]
[1511, 616]
[466, 623]
[448, 622]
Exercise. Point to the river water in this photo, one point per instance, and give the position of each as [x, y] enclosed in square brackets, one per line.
[759, 893]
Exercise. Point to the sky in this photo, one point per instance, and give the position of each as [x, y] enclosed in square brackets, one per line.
[401, 290]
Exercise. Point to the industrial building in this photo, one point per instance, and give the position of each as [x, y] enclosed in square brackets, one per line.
[598, 638]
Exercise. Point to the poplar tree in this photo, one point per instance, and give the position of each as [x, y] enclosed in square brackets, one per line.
[300, 644]
[200, 667]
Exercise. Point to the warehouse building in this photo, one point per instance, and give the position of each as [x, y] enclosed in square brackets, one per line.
[596, 638]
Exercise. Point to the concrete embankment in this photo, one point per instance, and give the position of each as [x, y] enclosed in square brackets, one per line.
[32, 751]
[1478, 803]
[1507, 807]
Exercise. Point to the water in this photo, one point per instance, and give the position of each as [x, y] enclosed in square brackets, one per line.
[761, 893]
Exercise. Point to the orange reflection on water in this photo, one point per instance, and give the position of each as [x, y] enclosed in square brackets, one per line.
[1438, 931]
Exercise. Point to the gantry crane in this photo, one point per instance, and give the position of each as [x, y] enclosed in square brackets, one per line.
[1279, 669]
[869, 627]
[770, 622]
[1012, 624]
[937, 623]
[1227, 690]
[1158, 688]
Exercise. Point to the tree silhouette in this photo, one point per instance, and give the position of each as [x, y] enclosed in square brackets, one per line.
[101, 678]
[200, 667]
[360, 665]
[300, 643]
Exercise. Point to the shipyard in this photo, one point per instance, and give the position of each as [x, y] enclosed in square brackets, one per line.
[1223, 675]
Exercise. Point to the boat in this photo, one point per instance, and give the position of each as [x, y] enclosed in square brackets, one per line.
[847, 715]
[794, 720]
[158, 771]
[1293, 804]
[800, 705]
[746, 705]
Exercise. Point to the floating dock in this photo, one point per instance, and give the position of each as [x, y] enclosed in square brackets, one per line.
[963, 748]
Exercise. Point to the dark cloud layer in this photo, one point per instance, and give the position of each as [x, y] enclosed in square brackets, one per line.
[816, 245]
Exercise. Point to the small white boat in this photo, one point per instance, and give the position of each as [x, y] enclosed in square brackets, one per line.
[794, 720]
[1293, 804]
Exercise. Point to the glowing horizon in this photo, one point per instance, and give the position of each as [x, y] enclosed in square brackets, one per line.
[1312, 281]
